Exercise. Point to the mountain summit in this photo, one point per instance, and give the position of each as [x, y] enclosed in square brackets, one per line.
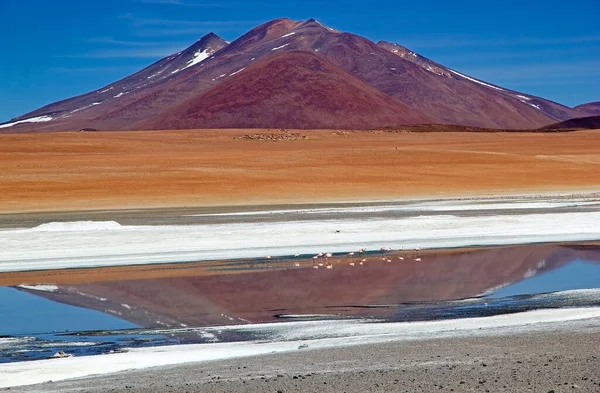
[340, 80]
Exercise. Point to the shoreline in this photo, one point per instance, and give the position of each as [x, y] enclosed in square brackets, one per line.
[332, 202]
[8, 217]
[505, 359]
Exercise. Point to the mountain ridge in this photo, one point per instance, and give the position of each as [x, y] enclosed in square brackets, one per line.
[590, 108]
[443, 95]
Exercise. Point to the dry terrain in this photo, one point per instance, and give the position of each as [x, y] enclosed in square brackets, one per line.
[559, 361]
[86, 170]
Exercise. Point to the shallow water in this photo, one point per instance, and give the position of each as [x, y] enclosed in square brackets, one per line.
[24, 313]
[576, 275]
[215, 307]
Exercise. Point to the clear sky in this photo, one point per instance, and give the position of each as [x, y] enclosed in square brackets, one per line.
[51, 50]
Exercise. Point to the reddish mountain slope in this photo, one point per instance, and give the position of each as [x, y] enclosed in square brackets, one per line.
[443, 95]
[294, 89]
[591, 108]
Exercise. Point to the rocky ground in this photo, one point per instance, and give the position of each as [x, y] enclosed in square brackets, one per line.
[534, 362]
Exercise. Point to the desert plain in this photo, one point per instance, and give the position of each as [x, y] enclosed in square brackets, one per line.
[70, 171]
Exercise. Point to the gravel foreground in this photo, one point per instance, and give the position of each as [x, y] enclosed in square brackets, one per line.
[533, 362]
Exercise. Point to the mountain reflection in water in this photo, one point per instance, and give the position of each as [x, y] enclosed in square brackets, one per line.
[381, 286]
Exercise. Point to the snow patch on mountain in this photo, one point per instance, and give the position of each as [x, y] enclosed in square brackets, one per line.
[198, 58]
[475, 80]
[280, 47]
[38, 119]
[237, 72]
[156, 74]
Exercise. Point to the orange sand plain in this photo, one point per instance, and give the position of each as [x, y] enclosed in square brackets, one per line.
[82, 170]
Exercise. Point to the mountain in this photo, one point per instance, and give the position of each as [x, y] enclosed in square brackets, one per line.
[591, 108]
[181, 81]
[294, 90]
[582, 123]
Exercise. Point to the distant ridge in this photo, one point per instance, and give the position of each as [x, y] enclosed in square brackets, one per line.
[591, 108]
[583, 123]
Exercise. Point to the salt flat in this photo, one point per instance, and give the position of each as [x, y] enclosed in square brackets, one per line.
[60, 245]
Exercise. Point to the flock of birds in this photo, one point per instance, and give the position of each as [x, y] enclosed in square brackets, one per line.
[324, 259]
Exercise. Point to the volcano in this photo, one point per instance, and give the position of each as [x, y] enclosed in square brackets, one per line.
[294, 74]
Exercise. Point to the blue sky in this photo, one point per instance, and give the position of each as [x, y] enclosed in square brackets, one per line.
[53, 50]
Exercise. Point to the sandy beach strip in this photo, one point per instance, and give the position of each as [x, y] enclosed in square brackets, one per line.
[70, 171]
[558, 361]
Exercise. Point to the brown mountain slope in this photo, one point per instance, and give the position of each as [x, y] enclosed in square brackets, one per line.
[592, 108]
[294, 89]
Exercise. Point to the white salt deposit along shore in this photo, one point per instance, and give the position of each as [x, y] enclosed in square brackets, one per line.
[92, 244]
[289, 337]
